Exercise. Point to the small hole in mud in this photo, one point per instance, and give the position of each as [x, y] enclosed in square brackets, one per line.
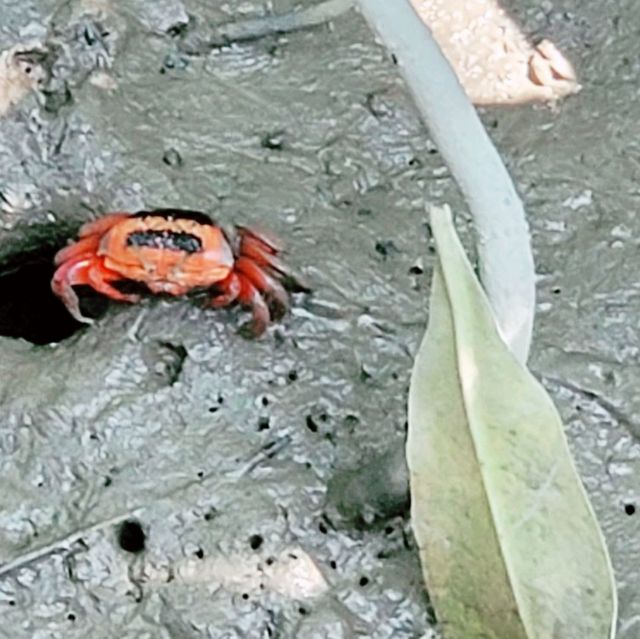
[71, 617]
[199, 553]
[293, 375]
[210, 514]
[311, 424]
[322, 528]
[386, 248]
[274, 141]
[333, 565]
[263, 423]
[220, 401]
[12, 602]
[245, 596]
[302, 611]
[351, 421]
[363, 581]
[171, 157]
[29, 309]
[131, 537]
[255, 541]
[630, 509]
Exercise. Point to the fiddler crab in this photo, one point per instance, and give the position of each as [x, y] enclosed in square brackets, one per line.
[176, 252]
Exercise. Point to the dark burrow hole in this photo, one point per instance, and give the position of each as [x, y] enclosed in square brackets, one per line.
[311, 424]
[255, 541]
[210, 514]
[630, 509]
[29, 309]
[131, 537]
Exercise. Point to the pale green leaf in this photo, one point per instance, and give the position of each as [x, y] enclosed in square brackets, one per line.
[509, 543]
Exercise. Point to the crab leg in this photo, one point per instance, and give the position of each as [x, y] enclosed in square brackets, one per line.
[101, 225]
[85, 247]
[231, 287]
[264, 282]
[259, 253]
[64, 278]
[250, 296]
[99, 278]
[84, 271]
[269, 243]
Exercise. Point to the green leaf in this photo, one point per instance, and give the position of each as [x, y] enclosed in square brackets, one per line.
[509, 544]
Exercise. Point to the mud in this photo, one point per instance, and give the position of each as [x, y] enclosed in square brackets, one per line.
[220, 447]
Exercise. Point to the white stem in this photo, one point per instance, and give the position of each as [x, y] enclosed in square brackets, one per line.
[504, 248]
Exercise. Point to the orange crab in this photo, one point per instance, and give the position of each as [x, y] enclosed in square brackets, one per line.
[175, 252]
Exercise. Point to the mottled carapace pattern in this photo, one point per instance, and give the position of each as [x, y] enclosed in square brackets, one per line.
[166, 240]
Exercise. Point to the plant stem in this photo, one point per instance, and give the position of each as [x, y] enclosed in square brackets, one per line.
[503, 241]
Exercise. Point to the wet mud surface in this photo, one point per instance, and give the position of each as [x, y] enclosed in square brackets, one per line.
[162, 476]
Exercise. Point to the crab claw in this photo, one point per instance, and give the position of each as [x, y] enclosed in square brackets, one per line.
[61, 285]
[90, 271]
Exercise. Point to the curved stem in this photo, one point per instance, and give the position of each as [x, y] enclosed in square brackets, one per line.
[504, 247]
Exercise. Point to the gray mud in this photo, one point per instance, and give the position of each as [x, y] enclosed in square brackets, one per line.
[220, 446]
